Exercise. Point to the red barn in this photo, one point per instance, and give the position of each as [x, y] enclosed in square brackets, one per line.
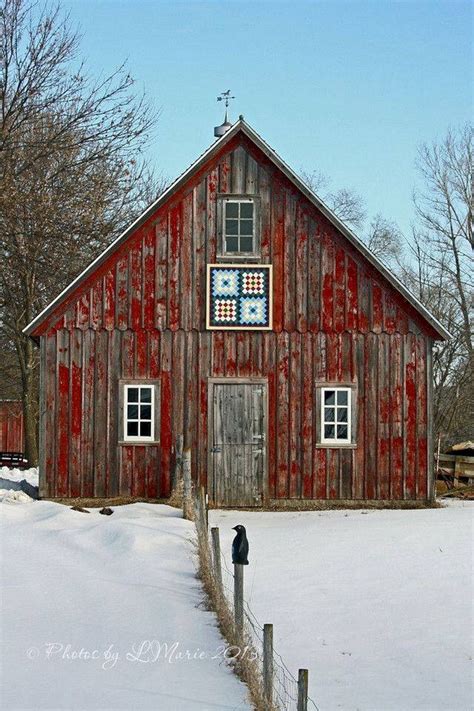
[11, 426]
[239, 315]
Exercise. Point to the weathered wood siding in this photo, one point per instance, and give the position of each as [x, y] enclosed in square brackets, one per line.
[11, 426]
[142, 315]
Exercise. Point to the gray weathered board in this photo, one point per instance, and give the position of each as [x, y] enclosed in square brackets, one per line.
[238, 443]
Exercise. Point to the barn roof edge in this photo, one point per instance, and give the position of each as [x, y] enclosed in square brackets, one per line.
[242, 125]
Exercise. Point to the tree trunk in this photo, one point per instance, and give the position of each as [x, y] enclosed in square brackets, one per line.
[29, 400]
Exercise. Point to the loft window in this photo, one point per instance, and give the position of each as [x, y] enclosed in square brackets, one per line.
[239, 226]
[139, 407]
[336, 405]
[239, 231]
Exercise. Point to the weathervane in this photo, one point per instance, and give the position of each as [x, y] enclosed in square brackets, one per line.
[225, 96]
[220, 130]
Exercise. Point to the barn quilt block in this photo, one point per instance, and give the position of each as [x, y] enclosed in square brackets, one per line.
[239, 297]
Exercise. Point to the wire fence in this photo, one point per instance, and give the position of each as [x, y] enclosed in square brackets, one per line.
[285, 685]
[288, 694]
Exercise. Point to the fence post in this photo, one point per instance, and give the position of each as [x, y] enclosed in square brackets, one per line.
[203, 507]
[216, 554]
[178, 463]
[187, 500]
[268, 663]
[239, 596]
[302, 690]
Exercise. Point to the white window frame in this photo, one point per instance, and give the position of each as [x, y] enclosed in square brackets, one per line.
[336, 440]
[238, 201]
[222, 252]
[126, 420]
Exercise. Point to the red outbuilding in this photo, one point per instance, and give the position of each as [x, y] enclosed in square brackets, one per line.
[239, 316]
[11, 426]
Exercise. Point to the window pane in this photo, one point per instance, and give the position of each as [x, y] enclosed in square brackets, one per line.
[246, 209]
[232, 227]
[231, 209]
[342, 397]
[132, 429]
[132, 412]
[145, 412]
[145, 395]
[232, 244]
[132, 394]
[329, 413]
[342, 414]
[342, 431]
[246, 244]
[246, 227]
[145, 429]
[330, 397]
[329, 431]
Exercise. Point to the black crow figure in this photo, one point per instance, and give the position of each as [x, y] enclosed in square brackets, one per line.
[240, 546]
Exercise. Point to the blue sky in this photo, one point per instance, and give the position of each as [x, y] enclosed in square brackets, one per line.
[349, 88]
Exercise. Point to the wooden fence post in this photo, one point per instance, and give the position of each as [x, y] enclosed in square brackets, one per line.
[302, 690]
[216, 554]
[178, 463]
[203, 507]
[187, 499]
[239, 596]
[268, 663]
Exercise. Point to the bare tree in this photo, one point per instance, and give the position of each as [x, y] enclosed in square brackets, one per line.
[382, 237]
[72, 173]
[440, 272]
[445, 209]
[345, 203]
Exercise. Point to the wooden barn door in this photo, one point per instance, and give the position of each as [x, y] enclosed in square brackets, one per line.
[238, 443]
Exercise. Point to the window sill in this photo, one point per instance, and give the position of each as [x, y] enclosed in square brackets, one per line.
[138, 443]
[239, 258]
[321, 445]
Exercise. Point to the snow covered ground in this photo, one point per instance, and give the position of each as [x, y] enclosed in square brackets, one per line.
[84, 595]
[376, 604]
[15, 481]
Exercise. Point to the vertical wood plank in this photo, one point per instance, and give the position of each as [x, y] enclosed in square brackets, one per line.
[320, 483]
[121, 299]
[75, 399]
[166, 412]
[265, 192]
[87, 440]
[339, 290]
[410, 416]
[186, 287]
[278, 223]
[282, 416]
[421, 419]
[371, 434]
[352, 295]
[307, 418]
[289, 270]
[174, 273]
[327, 284]
[199, 255]
[384, 410]
[161, 272]
[295, 394]
[314, 276]
[301, 269]
[63, 413]
[396, 412]
[109, 299]
[113, 433]
[100, 413]
[148, 266]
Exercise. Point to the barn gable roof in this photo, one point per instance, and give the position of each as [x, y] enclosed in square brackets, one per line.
[243, 127]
